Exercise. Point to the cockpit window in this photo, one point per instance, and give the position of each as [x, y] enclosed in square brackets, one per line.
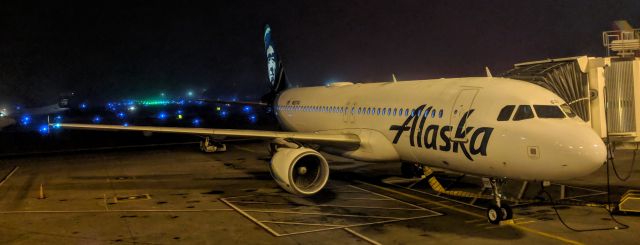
[548, 111]
[506, 112]
[523, 112]
[567, 110]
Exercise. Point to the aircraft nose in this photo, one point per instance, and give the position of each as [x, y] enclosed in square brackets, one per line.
[586, 152]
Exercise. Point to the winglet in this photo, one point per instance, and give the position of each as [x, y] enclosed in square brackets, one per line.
[393, 75]
[486, 69]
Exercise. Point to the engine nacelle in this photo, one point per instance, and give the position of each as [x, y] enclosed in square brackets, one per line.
[300, 171]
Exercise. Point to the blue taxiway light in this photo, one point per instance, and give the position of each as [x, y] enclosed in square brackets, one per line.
[96, 119]
[83, 106]
[196, 122]
[121, 115]
[25, 120]
[43, 129]
[253, 118]
[125, 124]
[246, 108]
[162, 115]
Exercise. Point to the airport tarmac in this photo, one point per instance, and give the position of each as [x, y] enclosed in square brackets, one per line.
[176, 194]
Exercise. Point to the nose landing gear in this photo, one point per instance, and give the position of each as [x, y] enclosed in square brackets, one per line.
[498, 211]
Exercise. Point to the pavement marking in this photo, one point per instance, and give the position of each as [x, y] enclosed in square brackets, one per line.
[362, 236]
[9, 175]
[327, 227]
[245, 214]
[323, 214]
[522, 228]
[325, 205]
[297, 223]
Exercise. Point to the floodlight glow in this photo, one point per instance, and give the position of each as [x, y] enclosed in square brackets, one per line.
[132, 108]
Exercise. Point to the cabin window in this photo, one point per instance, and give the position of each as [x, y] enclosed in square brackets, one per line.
[395, 111]
[384, 111]
[433, 114]
[548, 111]
[523, 112]
[440, 113]
[505, 113]
[378, 110]
[406, 112]
[567, 110]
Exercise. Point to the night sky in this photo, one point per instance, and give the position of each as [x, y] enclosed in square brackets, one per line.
[110, 50]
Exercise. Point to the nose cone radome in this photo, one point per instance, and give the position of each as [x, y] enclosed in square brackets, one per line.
[586, 152]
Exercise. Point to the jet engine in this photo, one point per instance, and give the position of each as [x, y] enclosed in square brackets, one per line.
[301, 171]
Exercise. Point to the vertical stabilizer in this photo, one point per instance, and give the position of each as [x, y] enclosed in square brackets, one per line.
[275, 68]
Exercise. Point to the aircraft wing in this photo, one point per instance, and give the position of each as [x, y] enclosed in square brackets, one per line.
[346, 140]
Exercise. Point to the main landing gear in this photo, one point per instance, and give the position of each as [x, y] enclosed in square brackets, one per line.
[208, 145]
[498, 211]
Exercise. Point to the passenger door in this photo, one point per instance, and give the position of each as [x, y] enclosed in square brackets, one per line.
[460, 108]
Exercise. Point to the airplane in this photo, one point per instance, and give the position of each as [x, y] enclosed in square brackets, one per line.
[497, 128]
[24, 115]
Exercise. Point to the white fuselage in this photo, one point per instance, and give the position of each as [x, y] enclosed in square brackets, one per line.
[530, 149]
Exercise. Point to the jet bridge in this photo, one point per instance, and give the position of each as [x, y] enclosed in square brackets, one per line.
[603, 91]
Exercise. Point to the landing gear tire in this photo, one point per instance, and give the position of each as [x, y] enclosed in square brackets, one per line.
[411, 170]
[506, 211]
[494, 214]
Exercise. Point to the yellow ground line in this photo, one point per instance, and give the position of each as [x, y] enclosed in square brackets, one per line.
[470, 213]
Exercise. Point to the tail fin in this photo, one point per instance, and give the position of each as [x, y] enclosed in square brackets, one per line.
[275, 68]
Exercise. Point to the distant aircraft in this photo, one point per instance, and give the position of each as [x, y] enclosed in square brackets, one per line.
[491, 127]
[8, 118]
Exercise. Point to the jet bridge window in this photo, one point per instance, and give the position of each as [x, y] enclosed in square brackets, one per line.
[523, 112]
[548, 111]
[506, 112]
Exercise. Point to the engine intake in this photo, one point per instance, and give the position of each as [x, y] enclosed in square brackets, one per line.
[300, 171]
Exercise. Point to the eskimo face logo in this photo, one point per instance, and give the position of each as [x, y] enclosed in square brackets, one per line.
[428, 138]
[271, 56]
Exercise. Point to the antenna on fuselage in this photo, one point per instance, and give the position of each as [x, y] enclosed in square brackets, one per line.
[393, 75]
[486, 69]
